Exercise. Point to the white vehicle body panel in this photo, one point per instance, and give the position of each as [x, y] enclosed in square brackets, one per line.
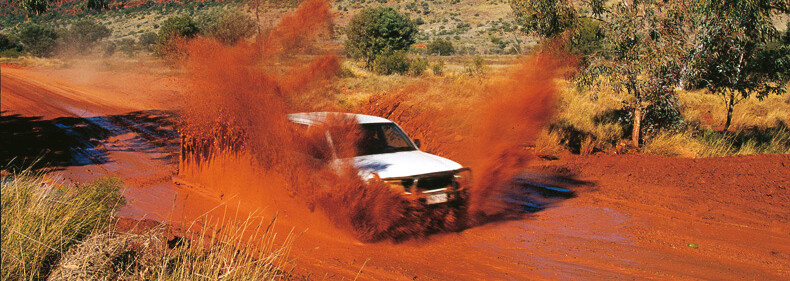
[404, 164]
[385, 165]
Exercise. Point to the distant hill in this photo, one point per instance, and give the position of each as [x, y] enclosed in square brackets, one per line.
[474, 26]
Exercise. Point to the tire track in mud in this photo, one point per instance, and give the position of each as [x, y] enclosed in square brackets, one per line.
[102, 139]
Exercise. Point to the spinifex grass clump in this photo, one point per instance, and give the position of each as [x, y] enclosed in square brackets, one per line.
[67, 233]
[225, 249]
[40, 221]
[709, 143]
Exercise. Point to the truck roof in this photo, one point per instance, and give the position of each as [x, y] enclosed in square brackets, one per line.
[313, 118]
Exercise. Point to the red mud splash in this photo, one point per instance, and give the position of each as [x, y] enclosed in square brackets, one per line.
[236, 109]
[487, 135]
[519, 107]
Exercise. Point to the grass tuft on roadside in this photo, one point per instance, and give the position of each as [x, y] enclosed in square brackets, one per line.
[41, 220]
[68, 233]
[709, 143]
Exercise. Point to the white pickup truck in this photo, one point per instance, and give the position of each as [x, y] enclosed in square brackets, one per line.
[386, 152]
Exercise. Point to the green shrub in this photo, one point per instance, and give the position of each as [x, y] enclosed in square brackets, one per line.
[441, 47]
[182, 26]
[147, 41]
[418, 66]
[499, 44]
[97, 4]
[127, 46]
[226, 27]
[39, 40]
[395, 62]
[35, 7]
[109, 48]
[174, 27]
[376, 33]
[6, 42]
[438, 68]
[476, 67]
[83, 35]
[9, 46]
[10, 53]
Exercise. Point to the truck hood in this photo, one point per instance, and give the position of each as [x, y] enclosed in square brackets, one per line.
[403, 164]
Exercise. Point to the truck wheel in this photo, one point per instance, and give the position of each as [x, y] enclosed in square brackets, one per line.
[457, 215]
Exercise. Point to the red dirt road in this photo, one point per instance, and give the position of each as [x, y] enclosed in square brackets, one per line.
[632, 217]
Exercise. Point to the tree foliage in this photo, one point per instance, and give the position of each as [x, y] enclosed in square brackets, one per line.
[378, 31]
[174, 28]
[546, 18]
[39, 40]
[6, 42]
[738, 51]
[35, 7]
[391, 63]
[147, 41]
[648, 48]
[97, 4]
[83, 35]
[643, 54]
[441, 47]
[226, 27]
[637, 45]
[587, 38]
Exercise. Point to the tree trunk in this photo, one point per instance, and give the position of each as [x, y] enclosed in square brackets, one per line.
[637, 125]
[730, 105]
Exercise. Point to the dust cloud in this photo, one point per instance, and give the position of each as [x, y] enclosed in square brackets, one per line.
[237, 138]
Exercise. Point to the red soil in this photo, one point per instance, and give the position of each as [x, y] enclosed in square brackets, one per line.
[633, 215]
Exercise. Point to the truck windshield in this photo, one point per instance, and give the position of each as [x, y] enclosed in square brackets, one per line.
[378, 138]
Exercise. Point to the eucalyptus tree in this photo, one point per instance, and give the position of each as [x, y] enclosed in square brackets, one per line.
[738, 50]
[640, 49]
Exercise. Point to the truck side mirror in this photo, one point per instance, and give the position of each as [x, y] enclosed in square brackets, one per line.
[417, 143]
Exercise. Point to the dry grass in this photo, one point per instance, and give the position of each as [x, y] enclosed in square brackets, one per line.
[581, 124]
[705, 110]
[30, 61]
[585, 122]
[710, 143]
[245, 250]
[758, 127]
[58, 233]
[549, 144]
[40, 221]
[674, 144]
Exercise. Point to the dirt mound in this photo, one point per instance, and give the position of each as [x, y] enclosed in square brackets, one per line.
[755, 194]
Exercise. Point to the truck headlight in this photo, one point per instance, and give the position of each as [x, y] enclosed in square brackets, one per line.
[463, 178]
[400, 185]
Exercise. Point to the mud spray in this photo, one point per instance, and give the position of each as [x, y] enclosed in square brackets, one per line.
[488, 134]
[238, 141]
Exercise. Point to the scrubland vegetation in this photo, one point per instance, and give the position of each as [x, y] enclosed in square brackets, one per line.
[53, 232]
[683, 100]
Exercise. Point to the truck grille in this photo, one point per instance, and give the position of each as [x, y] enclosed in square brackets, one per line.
[431, 183]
